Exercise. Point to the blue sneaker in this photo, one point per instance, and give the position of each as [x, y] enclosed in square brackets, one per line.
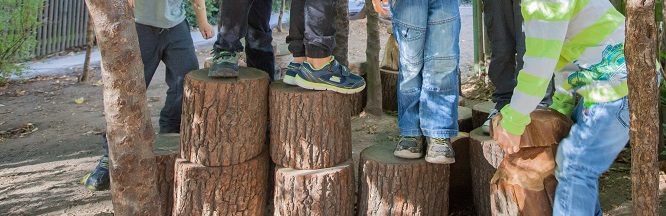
[291, 72]
[225, 64]
[333, 76]
[99, 178]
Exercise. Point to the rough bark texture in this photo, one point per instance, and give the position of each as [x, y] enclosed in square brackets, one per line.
[394, 186]
[129, 129]
[480, 113]
[464, 119]
[461, 175]
[313, 127]
[224, 120]
[90, 33]
[282, 7]
[358, 100]
[485, 156]
[327, 191]
[391, 60]
[547, 127]
[166, 149]
[232, 190]
[373, 80]
[341, 50]
[640, 51]
[525, 183]
[389, 89]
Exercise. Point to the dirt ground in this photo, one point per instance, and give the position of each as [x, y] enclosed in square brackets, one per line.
[40, 169]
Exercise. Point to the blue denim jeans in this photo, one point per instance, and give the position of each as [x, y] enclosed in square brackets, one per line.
[599, 133]
[427, 32]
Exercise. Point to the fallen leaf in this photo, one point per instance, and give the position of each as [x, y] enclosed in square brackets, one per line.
[98, 83]
[79, 101]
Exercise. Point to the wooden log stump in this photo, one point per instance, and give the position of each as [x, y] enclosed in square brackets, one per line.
[358, 100]
[328, 191]
[464, 119]
[480, 113]
[224, 120]
[460, 182]
[389, 89]
[232, 190]
[524, 183]
[394, 186]
[311, 129]
[166, 152]
[391, 58]
[485, 156]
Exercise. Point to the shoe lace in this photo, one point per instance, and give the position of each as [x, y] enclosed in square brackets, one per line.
[104, 162]
[409, 142]
[220, 56]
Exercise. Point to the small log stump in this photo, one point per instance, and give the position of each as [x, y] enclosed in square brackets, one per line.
[480, 113]
[395, 186]
[358, 100]
[389, 89]
[312, 129]
[224, 120]
[328, 191]
[461, 174]
[485, 156]
[232, 190]
[464, 119]
[391, 58]
[166, 151]
[525, 183]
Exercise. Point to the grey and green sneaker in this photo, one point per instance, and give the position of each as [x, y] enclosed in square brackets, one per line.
[333, 76]
[291, 72]
[409, 148]
[98, 179]
[225, 64]
[440, 151]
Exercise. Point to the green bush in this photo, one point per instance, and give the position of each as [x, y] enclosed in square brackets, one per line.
[18, 25]
[211, 12]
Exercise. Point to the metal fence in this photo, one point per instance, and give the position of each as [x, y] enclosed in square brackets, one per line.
[64, 24]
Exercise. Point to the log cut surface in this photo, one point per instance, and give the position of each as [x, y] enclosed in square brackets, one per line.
[166, 148]
[547, 128]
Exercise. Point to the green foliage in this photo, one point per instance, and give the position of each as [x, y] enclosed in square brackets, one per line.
[211, 12]
[18, 25]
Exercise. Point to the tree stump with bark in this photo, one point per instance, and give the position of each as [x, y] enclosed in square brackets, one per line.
[465, 119]
[328, 191]
[232, 190]
[485, 156]
[311, 129]
[166, 152]
[393, 186]
[224, 120]
[358, 100]
[524, 183]
[480, 113]
[391, 60]
[389, 80]
[460, 183]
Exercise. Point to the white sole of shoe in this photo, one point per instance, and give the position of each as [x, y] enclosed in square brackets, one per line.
[406, 154]
[322, 87]
[440, 160]
[288, 80]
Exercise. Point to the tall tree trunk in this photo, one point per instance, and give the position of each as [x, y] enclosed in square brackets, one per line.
[129, 130]
[641, 53]
[279, 24]
[374, 83]
[342, 33]
[91, 41]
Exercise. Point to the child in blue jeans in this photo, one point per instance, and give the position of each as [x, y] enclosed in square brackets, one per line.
[427, 32]
[590, 36]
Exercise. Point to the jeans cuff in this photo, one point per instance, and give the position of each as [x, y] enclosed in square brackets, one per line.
[410, 132]
[297, 48]
[440, 133]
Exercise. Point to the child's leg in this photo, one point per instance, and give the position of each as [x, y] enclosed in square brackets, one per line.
[319, 31]
[258, 49]
[438, 101]
[151, 55]
[180, 58]
[296, 38]
[599, 134]
[233, 25]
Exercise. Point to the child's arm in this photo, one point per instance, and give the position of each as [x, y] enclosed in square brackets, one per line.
[207, 30]
[546, 24]
[377, 5]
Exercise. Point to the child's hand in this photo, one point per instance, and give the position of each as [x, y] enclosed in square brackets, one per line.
[207, 30]
[131, 3]
[510, 143]
[377, 5]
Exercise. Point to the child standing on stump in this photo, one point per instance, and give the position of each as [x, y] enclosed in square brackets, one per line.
[312, 40]
[164, 36]
[427, 32]
[249, 19]
[589, 35]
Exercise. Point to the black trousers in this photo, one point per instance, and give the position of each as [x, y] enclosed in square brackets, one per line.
[504, 22]
[249, 19]
[312, 28]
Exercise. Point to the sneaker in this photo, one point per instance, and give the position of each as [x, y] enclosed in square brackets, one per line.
[225, 64]
[333, 76]
[409, 148]
[99, 178]
[486, 125]
[291, 72]
[440, 151]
